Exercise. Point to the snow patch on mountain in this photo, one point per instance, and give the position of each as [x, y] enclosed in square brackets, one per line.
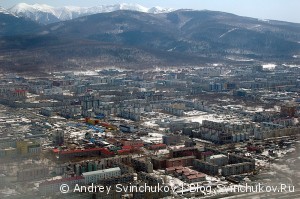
[158, 10]
[46, 14]
[6, 12]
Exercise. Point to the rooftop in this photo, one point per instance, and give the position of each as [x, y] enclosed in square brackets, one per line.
[101, 171]
[63, 180]
[218, 156]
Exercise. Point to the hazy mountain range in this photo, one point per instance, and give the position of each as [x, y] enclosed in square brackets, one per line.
[136, 37]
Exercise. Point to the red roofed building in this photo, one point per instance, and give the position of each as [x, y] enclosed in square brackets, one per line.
[157, 146]
[124, 151]
[134, 143]
[105, 152]
[195, 178]
[187, 174]
[185, 151]
[20, 93]
[182, 161]
[78, 152]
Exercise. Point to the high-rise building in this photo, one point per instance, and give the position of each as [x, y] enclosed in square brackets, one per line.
[58, 137]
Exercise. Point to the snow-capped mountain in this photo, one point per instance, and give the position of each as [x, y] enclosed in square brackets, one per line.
[4, 11]
[46, 14]
[11, 25]
[157, 10]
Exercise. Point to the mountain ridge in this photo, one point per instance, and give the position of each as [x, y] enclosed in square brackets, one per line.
[11, 24]
[45, 14]
[138, 39]
[185, 31]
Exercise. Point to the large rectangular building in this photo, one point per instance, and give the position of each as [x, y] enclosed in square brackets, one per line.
[171, 139]
[96, 176]
[220, 160]
[181, 161]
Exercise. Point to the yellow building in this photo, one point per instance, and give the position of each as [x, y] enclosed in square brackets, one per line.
[22, 147]
[25, 147]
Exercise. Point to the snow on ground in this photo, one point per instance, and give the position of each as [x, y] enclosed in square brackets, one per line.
[200, 118]
[227, 32]
[153, 137]
[292, 65]
[240, 59]
[284, 168]
[150, 124]
[86, 73]
[163, 152]
[8, 192]
[269, 66]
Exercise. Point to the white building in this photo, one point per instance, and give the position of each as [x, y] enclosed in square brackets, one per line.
[96, 176]
[53, 186]
[220, 160]
[53, 91]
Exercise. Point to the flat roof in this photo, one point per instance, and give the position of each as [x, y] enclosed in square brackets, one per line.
[101, 171]
[181, 158]
[61, 180]
[218, 156]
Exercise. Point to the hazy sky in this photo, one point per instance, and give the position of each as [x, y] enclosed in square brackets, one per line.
[286, 10]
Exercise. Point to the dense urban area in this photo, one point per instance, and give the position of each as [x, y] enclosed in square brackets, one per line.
[195, 131]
